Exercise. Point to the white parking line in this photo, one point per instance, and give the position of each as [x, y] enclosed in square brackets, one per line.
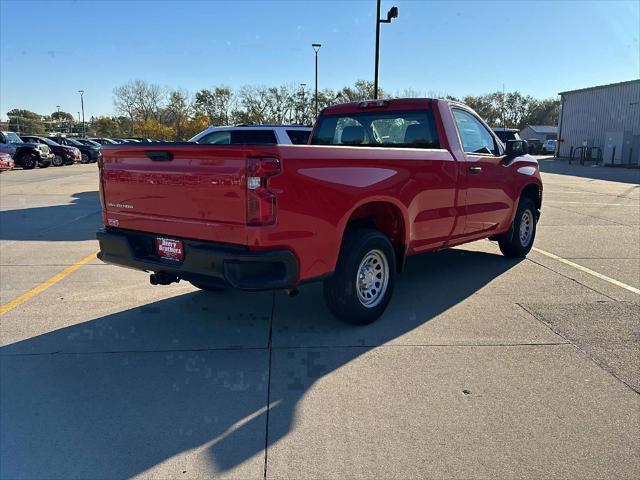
[589, 271]
[594, 204]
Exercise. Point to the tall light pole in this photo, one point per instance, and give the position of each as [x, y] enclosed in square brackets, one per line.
[316, 48]
[58, 107]
[81, 92]
[391, 14]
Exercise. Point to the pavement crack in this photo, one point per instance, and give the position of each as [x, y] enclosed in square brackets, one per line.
[572, 279]
[578, 348]
[270, 347]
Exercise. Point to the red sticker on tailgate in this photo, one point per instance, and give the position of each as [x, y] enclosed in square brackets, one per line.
[170, 249]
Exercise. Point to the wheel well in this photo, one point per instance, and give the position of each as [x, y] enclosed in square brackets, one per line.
[385, 217]
[534, 193]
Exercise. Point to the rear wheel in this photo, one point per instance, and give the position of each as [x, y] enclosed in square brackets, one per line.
[361, 287]
[57, 161]
[84, 158]
[524, 231]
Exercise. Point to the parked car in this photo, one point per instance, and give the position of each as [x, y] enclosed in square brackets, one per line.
[6, 162]
[534, 146]
[88, 153]
[62, 155]
[104, 140]
[87, 141]
[549, 146]
[254, 134]
[506, 134]
[25, 155]
[342, 210]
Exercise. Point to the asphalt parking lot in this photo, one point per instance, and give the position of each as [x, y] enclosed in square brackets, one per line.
[482, 367]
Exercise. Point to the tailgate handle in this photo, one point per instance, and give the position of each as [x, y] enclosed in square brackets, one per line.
[159, 155]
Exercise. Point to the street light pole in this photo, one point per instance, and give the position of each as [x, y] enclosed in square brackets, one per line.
[316, 47]
[391, 14]
[58, 107]
[84, 131]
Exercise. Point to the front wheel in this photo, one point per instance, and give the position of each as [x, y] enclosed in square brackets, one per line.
[28, 162]
[84, 158]
[524, 231]
[57, 161]
[361, 287]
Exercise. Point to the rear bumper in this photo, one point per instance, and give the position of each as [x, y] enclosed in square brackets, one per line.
[204, 262]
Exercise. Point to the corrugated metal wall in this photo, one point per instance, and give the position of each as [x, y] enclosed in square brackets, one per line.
[588, 115]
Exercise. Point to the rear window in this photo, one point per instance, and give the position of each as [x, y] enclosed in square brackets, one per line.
[299, 137]
[240, 137]
[400, 129]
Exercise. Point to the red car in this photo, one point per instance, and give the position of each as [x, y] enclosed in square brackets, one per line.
[380, 181]
[6, 162]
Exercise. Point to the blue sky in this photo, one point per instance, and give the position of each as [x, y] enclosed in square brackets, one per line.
[49, 50]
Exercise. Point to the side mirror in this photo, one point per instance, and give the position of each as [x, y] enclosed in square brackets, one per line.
[515, 148]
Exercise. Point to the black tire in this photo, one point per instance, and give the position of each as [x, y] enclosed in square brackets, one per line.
[207, 287]
[57, 161]
[520, 244]
[84, 158]
[341, 290]
[44, 163]
[28, 161]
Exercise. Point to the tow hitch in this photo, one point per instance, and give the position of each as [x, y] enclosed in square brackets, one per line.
[162, 278]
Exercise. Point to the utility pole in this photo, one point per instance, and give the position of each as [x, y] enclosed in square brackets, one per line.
[84, 131]
[391, 14]
[316, 47]
[300, 119]
[58, 107]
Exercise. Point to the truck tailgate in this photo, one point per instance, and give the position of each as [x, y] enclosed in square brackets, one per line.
[190, 191]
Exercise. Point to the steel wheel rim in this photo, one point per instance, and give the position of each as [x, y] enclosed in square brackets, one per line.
[372, 278]
[526, 228]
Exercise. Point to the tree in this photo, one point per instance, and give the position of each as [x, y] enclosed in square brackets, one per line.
[25, 121]
[106, 127]
[543, 112]
[361, 90]
[63, 117]
[125, 102]
[216, 104]
[177, 113]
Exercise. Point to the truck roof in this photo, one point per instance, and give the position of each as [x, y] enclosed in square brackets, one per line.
[380, 104]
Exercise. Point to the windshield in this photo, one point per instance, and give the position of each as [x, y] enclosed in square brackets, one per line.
[404, 129]
[13, 138]
[49, 142]
[71, 141]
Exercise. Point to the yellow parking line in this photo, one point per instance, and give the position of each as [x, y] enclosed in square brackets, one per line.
[44, 285]
[589, 271]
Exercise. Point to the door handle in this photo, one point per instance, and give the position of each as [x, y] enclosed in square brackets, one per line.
[475, 170]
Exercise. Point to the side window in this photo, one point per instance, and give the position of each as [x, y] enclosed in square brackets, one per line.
[298, 137]
[474, 136]
[253, 137]
[216, 138]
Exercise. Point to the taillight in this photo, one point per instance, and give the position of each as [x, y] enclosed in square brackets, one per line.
[261, 202]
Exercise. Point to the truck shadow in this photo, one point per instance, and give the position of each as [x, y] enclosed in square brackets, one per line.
[74, 221]
[118, 395]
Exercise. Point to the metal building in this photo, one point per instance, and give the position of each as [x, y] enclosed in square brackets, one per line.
[606, 116]
[540, 132]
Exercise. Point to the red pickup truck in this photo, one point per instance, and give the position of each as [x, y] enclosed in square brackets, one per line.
[380, 180]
